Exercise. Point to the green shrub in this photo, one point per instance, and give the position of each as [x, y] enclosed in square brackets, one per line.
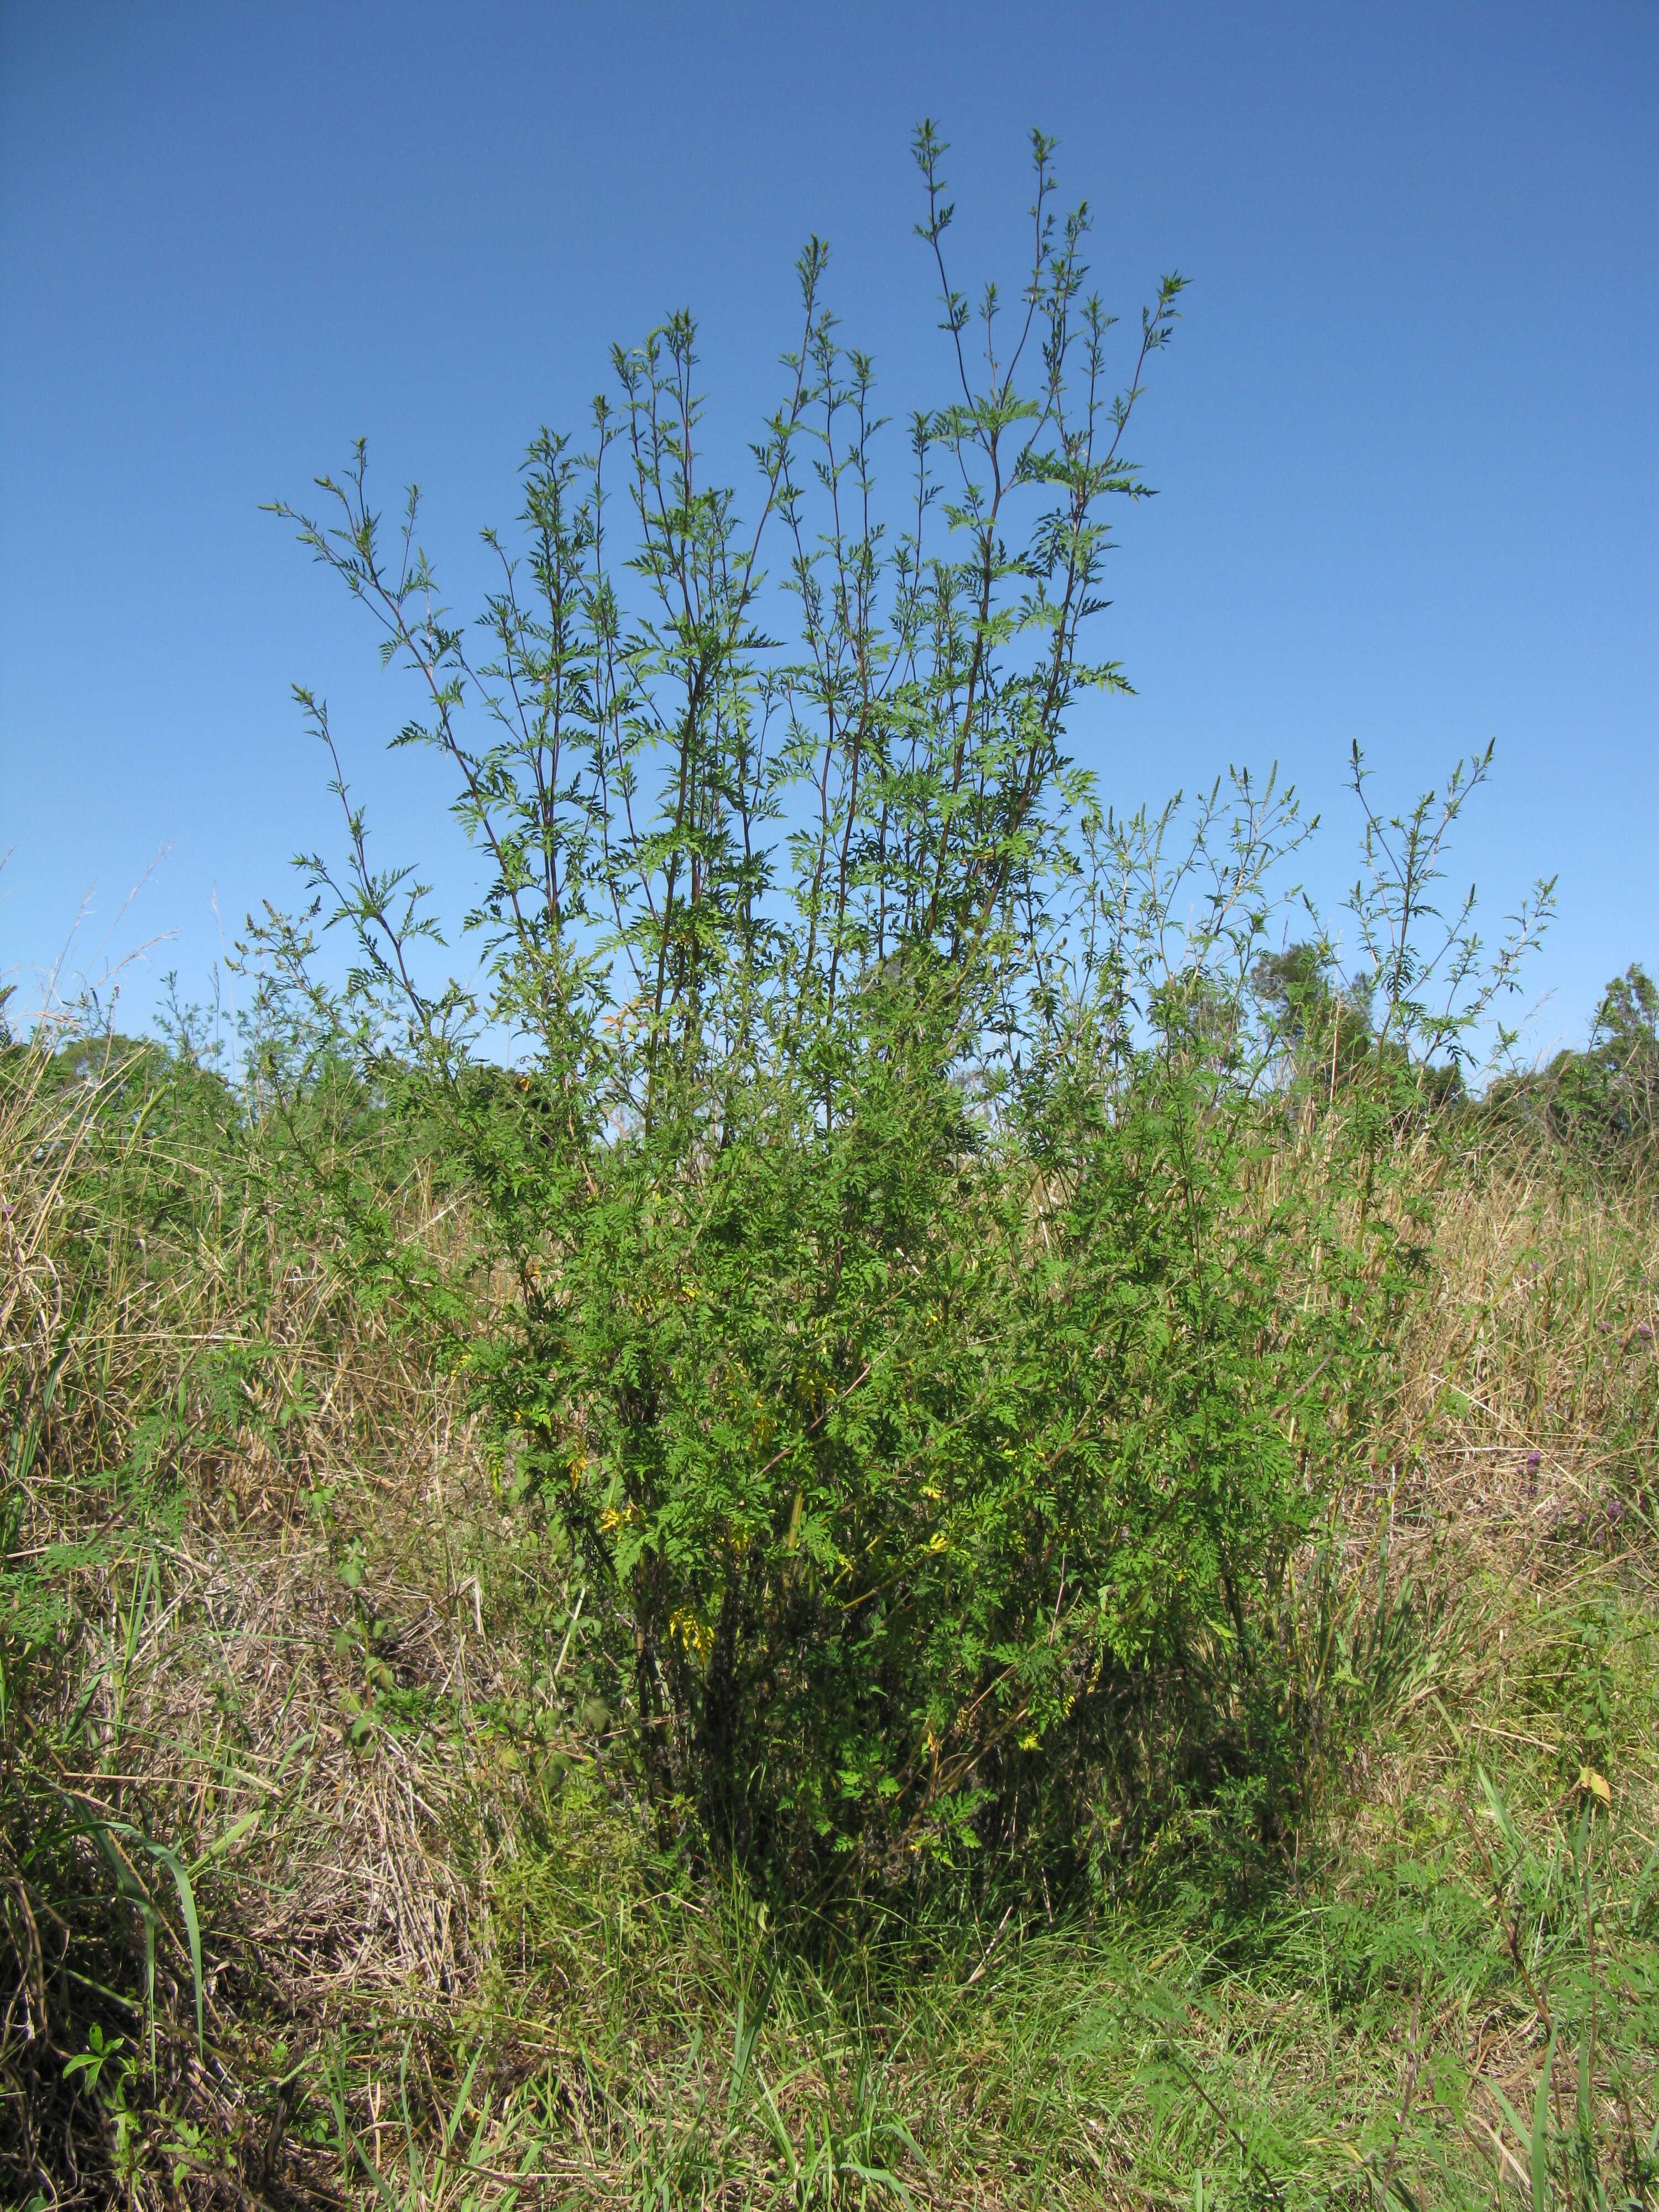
[919, 1452]
[921, 1321]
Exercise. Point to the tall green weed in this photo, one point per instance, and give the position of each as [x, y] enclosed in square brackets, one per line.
[932, 1320]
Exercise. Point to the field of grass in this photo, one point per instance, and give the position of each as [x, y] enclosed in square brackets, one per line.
[327, 1879]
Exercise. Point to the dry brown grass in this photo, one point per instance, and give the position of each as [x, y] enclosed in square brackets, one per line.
[328, 1669]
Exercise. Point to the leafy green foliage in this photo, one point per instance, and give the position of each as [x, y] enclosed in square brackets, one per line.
[918, 1470]
[911, 1334]
[1602, 1104]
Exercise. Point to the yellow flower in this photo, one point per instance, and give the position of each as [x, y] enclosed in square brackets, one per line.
[692, 1632]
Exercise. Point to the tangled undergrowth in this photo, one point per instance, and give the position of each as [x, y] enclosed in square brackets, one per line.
[329, 1878]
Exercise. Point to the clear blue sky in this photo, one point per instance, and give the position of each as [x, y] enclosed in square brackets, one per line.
[1405, 441]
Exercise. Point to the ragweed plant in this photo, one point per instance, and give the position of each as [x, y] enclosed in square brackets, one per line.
[909, 1328]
